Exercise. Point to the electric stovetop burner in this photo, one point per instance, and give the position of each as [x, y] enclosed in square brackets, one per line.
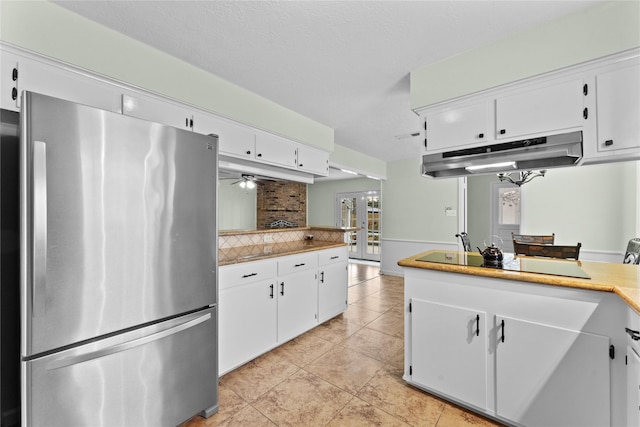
[554, 267]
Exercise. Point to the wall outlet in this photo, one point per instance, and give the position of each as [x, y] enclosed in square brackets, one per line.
[268, 238]
[450, 211]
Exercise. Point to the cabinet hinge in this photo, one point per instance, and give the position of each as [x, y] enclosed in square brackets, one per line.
[612, 352]
[410, 370]
[585, 89]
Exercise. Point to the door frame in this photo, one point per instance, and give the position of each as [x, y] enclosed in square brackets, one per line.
[361, 236]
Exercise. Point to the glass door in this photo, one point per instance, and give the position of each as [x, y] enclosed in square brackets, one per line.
[362, 210]
[505, 213]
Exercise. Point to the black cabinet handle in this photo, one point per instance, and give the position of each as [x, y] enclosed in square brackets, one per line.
[503, 131]
[249, 275]
[14, 74]
[502, 327]
[300, 165]
[322, 277]
[585, 89]
[608, 142]
[14, 93]
[271, 294]
[585, 113]
[299, 265]
[248, 152]
[477, 325]
[282, 288]
[259, 154]
[635, 335]
[481, 135]
[335, 257]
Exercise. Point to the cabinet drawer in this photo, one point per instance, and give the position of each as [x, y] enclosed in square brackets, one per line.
[329, 256]
[234, 275]
[295, 263]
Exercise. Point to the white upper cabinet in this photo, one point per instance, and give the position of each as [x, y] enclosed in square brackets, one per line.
[153, 109]
[545, 108]
[313, 160]
[458, 127]
[234, 139]
[618, 101]
[20, 73]
[275, 150]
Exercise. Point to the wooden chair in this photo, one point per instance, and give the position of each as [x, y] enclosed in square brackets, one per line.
[549, 251]
[532, 238]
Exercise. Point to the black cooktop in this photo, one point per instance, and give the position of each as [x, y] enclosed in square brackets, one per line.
[554, 267]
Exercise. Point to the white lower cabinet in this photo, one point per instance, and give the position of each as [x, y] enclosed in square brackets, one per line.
[549, 376]
[263, 304]
[297, 304]
[449, 350]
[332, 283]
[248, 322]
[633, 387]
[525, 354]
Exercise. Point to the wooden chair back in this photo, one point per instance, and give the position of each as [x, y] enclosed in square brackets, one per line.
[549, 251]
[533, 238]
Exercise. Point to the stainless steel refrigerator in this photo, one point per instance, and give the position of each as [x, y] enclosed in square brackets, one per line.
[118, 269]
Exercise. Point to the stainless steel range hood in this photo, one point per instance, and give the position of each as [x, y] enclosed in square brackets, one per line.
[528, 154]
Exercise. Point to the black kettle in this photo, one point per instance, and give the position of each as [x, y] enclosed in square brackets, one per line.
[492, 255]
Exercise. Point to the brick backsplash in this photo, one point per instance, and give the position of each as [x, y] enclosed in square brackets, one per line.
[281, 200]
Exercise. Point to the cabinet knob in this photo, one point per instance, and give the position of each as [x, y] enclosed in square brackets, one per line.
[481, 135]
[608, 142]
[259, 154]
[503, 131]
[248, 152]
[300, 165]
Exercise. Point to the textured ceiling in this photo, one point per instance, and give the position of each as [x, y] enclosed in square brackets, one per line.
[345, 64]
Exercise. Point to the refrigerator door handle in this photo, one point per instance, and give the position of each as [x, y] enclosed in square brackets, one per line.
[90, 355]
[39, 260]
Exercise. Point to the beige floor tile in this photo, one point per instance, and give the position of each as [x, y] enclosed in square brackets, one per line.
[359, 316]
[374, 344]
[391, 323]
[389, 392]
[344, 368]
[358, 413]
[397, 360]
[303, 349]
[375, 303]
[248, 416]
[335, 330]
[302, 400]
[229, 405]
[453, 416]
[258, 376]
[395, 298]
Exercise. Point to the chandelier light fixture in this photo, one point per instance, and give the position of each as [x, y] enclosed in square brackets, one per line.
[519, 178]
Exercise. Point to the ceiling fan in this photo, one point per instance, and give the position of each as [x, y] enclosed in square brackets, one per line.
[247, 181]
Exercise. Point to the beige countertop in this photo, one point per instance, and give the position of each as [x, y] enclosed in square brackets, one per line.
[622, 279]
[270, 250]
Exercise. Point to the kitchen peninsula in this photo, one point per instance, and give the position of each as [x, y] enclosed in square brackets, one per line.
[276, 284]
[526, 348]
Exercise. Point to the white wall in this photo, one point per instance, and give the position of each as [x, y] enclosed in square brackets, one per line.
[51, 30]
[606, 28]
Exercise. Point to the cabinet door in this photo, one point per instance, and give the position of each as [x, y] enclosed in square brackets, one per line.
[248, 328]
[40, 77]
[156, 110]
[297, 304]
[313, 161]
[633, 388]
[276, 150]
[458, 127]
[332, 290]
[552, 108]
[449, 350]
[551, 376]
[234, 139]
[618, 103]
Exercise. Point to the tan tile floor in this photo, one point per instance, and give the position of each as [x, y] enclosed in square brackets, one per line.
[345, 372]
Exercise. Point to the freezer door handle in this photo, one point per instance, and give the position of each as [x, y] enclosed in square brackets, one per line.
[39, 257]
[90, 355]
